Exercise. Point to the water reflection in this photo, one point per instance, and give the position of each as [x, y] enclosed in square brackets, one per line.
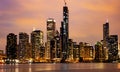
[118, 66]
[79, 67]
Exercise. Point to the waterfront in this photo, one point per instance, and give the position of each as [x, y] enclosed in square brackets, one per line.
[52, 67]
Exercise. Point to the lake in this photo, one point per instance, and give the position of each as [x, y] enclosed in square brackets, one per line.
[61, 67]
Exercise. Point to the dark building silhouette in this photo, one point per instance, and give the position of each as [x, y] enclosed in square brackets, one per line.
[64, 30]
[105, 38]
[11, 48]
[76, 51]
[110, 43]
[70, 46]
[99, 52]
[23, 46]
[113, 48]
[105, 33]
[58, 45]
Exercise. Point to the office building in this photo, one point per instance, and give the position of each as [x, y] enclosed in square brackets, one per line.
[113, 48]
[11, 47]
[64, 30]
[76, 52]
[99, 52]
[37, 45]
[50, 36]
[23, 46]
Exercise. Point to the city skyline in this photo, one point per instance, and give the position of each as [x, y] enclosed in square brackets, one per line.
[23, 20]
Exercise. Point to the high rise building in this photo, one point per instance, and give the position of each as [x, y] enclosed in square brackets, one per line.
[105, 33]
[23, 46]
[58, 44]
[110, 43]
[86, 52]
[76, 51]
[11, 48]
[105, 38]
[50, 36]
[37, 45]
[113, 48]
[70, 46]
[99, 52]
[64, 30]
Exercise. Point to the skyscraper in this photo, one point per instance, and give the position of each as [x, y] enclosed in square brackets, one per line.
[65, 32]
[105, 38]
[55, 48]
[11, 48]
[58, 46]
[105, 33]
[99, 52]
[50, 35]
[110, 43]
[23, 45]
[113, 48]
[37, 44]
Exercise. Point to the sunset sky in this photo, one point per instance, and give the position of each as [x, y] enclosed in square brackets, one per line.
[86, 17]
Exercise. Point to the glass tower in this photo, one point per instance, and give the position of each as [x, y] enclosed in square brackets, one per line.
[65, 32]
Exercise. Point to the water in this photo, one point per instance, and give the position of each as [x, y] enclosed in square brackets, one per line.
[52, 67]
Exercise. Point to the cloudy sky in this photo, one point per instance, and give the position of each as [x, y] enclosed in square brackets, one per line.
[86, 17]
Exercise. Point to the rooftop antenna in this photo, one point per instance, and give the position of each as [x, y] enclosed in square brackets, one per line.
[34, 29]
[65, 2]
[107, 20]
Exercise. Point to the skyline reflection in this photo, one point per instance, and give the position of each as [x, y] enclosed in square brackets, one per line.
[49, 67]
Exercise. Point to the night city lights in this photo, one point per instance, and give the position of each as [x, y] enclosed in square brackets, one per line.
[64, 35]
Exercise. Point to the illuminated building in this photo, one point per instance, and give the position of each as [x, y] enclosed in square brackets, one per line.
[23, 45]
[1, 52]
[70, 46]
[105, 38]
[64, 30]
[76, 51]
[110, 43]
[113, 48]
[99, 52]
[2, 57]
[37, 45]
[105, 33]
[50, 36]
[11, 48]
[58, 44]
[86, 52]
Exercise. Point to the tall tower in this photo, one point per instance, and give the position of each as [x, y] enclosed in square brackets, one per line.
[113, 48]
[105, 33]
[65, 32]
[23, 45]
[11, 48]
[105, 38]
[37, 43]
[50, 35]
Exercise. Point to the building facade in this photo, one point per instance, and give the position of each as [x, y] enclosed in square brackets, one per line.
[64, 30]
[113, 48]
[99, 52]
[37, 45]
[24, 47]
[11, 48]
[50, 36]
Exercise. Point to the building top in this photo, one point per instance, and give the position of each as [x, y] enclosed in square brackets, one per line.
[50, 20]
[65, 2]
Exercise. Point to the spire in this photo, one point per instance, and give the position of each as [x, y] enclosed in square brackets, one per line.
[33, 28]
[65, 2]
[107, 21]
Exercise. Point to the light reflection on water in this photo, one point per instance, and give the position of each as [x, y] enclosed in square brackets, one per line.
[49, 67]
